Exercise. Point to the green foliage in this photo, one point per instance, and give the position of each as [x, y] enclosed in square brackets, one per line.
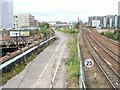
[102, 33]
[42, 32]
[45, 25]
[111, 35]
[69, 31]
[72, 62]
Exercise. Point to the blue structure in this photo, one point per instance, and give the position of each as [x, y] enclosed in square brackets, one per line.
[6, 17]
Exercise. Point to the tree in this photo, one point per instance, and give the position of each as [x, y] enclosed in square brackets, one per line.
[45, 25]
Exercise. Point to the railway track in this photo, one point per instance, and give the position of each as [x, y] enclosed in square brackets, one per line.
[113, 54]
[112, 45]
[106, 49]
[106, 56]
[109, 70]
[107, 39]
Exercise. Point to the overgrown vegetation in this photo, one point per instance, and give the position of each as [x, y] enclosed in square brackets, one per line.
[45, 25]
[43, 31]
[69, 31]
[73, 65]
[111, 35]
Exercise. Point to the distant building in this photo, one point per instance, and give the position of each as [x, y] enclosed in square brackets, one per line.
[115, 21]
[119, 14]
[25, 21]
[0, 14]
[6, 14]
[15, 22]
[95, 21]
[104, 21]
[119, 8]
[109, 21]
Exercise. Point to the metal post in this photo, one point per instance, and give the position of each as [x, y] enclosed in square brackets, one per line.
[16, 40]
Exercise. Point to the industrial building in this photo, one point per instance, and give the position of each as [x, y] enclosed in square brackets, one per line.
[22, 21]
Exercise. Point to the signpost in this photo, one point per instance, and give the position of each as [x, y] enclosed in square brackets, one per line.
[19, 33]
[17, 40]
[89, 63]
[24, 33]
[14, 33]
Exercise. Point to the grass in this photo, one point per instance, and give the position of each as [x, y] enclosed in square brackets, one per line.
[111, 35]
[73, 65]
[17, 68]
[69, 31]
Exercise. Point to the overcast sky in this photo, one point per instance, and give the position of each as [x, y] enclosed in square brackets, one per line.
[66, 10]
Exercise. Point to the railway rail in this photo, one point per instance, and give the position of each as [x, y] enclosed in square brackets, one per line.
[110, 73]
[106, 57]
[116, 43]
[106, 42]
[105, 47]
[115, 63]
[107, 39]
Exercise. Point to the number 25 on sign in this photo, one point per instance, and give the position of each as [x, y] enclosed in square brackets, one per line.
[88, 63]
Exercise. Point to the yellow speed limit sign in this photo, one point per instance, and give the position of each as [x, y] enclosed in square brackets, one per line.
[89, 63]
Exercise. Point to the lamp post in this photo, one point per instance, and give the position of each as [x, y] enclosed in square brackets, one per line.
[78, 23]
[17, 40]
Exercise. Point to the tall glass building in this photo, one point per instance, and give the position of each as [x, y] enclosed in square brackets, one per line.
[119, 14]
[0, 14]
[6, 14]
[119, 8]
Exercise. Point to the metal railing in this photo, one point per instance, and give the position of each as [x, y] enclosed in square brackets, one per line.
[13, 60]
[81, 80]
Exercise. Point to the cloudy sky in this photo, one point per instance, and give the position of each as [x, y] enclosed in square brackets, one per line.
[66, 10]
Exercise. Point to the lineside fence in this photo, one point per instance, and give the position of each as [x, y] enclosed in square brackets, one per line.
[81, 80]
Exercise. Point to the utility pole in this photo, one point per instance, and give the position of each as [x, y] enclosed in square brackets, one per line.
[78, 23]
[16, 40]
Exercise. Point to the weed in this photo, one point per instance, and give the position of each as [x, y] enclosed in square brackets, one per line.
[73, 64]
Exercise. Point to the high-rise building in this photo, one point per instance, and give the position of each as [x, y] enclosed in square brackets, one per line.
[119, 14]
[6, 14]
[0, 14]
[119, 8]
[109, 21]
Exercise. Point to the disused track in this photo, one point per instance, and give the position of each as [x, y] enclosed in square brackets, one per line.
[116, 43]
[113, 46]
[109, 69]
